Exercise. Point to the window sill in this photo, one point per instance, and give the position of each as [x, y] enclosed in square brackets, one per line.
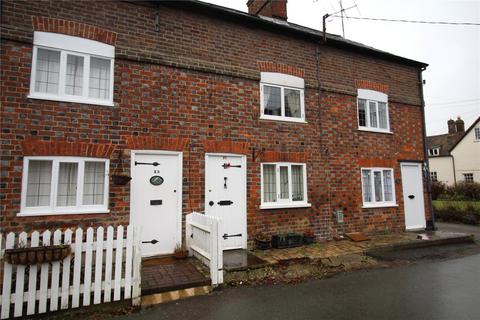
[283, 119]
[365, 129]
[37, 214]
[70, 99]
[390, 205]
[285, 205]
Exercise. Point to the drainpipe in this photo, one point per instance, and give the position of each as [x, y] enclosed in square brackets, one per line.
[425, 158]
[454, 171]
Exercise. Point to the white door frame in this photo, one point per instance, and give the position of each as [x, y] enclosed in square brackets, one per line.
[244, 163]
[422, 194]
[133, 153]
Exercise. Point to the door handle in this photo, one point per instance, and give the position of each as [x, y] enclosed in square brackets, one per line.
[211, 203]
[155, 202]
[411, 196]
[226, 236]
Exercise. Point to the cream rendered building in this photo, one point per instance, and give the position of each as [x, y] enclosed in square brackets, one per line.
[455, 156]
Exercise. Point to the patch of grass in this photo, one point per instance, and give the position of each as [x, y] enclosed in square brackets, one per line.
[459, 205]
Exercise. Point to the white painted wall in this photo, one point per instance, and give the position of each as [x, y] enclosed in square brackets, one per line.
[444, 168]
[467, 156]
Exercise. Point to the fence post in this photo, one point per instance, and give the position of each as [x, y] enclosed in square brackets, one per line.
[219, 268]
[214, 249]
[137, 266]
[188, 233]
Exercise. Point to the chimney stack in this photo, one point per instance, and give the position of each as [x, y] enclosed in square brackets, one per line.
[451, 126]
[268, 8]
[460, 125]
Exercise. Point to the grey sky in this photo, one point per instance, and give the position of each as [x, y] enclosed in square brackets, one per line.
[453, 52]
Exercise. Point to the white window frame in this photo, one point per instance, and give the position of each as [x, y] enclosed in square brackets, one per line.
[53, 209]
[284, 203]
[468, 174]
[373, 96]
[282, 81]
[434, 151]
[477, 133]
[378, 204]
[74, 46]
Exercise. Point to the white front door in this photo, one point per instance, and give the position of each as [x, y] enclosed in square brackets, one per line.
[413, 201]
[226, 196]
[156, 199]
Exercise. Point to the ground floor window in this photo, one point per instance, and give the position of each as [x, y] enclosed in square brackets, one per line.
[468, 177]
[433, 176]
[378, 187]
[284, 185]
[58, 185]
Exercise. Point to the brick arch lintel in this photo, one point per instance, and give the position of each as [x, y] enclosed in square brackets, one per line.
[269, 66]
[280, 156]
[371, 85]
[36, 147]
[73, 28]
[155, 143]
[226, 146]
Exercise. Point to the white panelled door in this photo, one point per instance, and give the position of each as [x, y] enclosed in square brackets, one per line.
[413, 200]
[156, 199]
[226, 196]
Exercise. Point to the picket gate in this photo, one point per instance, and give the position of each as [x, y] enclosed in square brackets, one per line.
[99, 269]
[203, 235]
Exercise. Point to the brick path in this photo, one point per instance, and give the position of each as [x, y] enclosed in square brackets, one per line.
[167, 274]
[344, 247]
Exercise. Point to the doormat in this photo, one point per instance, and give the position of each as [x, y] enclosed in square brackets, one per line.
[357, 236]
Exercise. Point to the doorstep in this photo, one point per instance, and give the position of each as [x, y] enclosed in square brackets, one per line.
[167, 274]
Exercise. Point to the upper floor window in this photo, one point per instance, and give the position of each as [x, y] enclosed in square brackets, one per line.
[284, 185]
[434, 151]
[477, 133]
[62, 185]
[282, 97]
[378, 187]
[373, 111]
[73, 69]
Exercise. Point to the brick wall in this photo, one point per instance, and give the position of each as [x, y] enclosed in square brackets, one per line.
[193, 87]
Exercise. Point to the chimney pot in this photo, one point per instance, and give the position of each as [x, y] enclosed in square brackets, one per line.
[460, 125]
[451, 126]
[268, 8]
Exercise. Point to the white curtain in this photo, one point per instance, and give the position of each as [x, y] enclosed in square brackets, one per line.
[94, 183]
[297, 183]
[47, 71]
[382, 115]
[272, 100]
[67, 184]
[269, 183]
[387, 185]
[284, 192]
[74, 76]
[39, 183]
[292, 103]
[373, 113]
[99, 84]
[367, 185]
[377, 182]
[362, 113]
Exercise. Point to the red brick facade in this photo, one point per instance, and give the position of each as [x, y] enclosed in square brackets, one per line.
[193, 86]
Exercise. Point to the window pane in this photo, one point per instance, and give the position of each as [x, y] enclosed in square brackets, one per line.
[292, 103]
[297, 183]
[382, 115]
[362, 112]
[269, 183]
[94, 183]
[74, 75]
[99, 85]
[67, 184]
[387, 184]
[284, 194]
[377, 182]
[373, 113]
[367, 185]
[272, 101]
[477, 133]
[39, 183]
[47, 71]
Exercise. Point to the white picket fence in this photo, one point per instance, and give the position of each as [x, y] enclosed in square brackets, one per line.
[114, 264]
[205, 242]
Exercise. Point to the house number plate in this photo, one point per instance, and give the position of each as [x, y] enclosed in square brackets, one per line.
[156, 180]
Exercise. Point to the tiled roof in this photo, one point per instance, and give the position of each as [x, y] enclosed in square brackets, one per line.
[444, 141]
